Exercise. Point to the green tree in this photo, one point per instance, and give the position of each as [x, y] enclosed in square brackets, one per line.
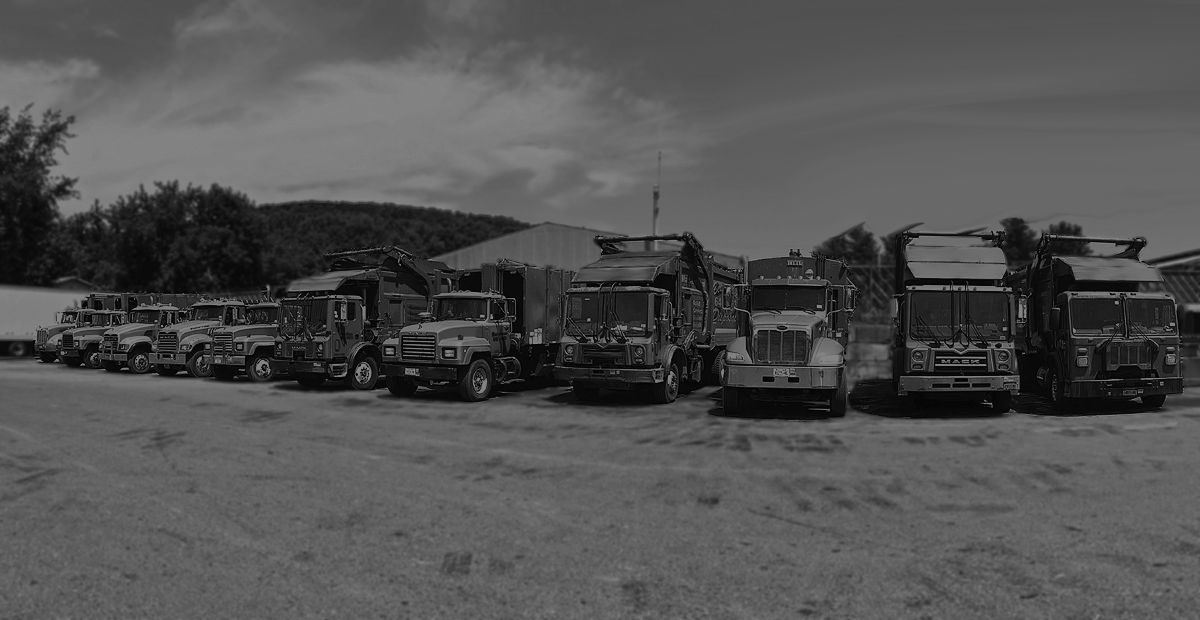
[29, 192]
[856, 246]
[1068, 248]
[1020, 241]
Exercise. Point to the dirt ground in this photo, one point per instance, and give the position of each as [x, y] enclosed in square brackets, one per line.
[128, 496]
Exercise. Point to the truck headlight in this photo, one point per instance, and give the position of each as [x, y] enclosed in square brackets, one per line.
[1171, 358]
[239, 346]
[320, 348]
[449, 353]
[184, 347]
[918, 355]
[279, 348]
[639, 353]
[389, 351]
[1002, 356]
[1081, 357]
[730, 356]
[569, 351]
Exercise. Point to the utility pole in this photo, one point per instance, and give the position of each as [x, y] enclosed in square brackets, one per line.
[653, 245]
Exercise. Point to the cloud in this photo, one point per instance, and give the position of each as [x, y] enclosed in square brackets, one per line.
[41, 83]
[475, 14]
[218, 18]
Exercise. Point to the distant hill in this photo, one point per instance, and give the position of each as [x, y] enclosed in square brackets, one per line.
[298, 233]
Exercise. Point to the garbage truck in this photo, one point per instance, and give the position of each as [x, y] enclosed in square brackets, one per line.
[183, 345]
[246, 346]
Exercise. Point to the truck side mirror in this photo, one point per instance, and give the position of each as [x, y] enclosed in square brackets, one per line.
[1056, 318]
[1022, 310]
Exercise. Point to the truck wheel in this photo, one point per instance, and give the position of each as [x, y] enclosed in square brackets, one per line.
[111, 366]
[363, 374]
[91, 358]
[259, 368]
[223, 373]
[837, 401]
[47, 358]
[139, 363]
[400, 386]
[165, 370]
[734, 400]
[476, 384]
[72, 362]
[667, 391]
[309, 380]
[198, 366]
[1154, 400]
[1001, 402]
[18, 349]
[585, 394]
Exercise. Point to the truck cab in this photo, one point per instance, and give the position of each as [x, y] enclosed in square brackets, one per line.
[132, 343]
[326, 336]
[81, 345]
[246, 346]
[183, 345]
[49, 337]
[792, 340]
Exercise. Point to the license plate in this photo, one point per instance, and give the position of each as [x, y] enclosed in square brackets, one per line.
[1130, 392]
[412, 372]
[785, 372]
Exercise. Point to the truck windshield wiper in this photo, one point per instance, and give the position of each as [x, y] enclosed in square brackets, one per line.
[571, 323]
[978, 330]
[935, 337]
[616, 326]
[803, 309]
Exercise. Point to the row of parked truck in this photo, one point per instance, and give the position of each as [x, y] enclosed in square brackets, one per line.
[657, 319]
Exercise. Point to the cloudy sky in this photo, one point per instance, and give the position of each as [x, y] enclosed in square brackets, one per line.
[780, 122]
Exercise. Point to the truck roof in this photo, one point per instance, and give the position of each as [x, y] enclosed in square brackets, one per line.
[217, 303]
[1105, 269]
[331, 280]
[935, 262]
[153, 307]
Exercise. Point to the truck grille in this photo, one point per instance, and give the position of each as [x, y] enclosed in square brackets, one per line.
[772, 346]
[600, 355]
[68, 341]
[168, 342]
[109, 344]
[418, 346]
[971, 361]
[42, 336]
[223, 344]
[1127, 354]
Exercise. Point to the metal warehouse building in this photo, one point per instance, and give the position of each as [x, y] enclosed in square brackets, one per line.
[551, 245]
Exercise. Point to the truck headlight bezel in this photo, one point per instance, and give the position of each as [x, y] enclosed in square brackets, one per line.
[733, 356]
[449, 353]
[569, 351]
[639, 353]
[1082, 359]
[320, 348]
[389, 351]
[1171, 358]
[239, 347]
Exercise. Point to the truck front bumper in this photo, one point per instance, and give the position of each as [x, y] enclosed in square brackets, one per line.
[927, 384]
[608, 378]
[227, 360]
[1124, 388]
[334, 369]
[169, 359]
[44, 347]
[782, 377]
[73, 353]
[114, 357]
[419, 371]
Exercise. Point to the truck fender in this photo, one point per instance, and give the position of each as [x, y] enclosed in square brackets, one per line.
[672, 353]
[370, 350]
[255, 347]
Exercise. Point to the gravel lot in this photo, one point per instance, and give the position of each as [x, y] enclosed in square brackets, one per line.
[128, 496]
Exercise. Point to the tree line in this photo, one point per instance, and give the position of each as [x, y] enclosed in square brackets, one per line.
[183, 238]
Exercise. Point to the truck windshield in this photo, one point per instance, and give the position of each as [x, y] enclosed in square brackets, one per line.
[811, 298]
[932, 315]
[106, 319]
[144, 316]
[305, 316]
[457, 308]
[262, 316]
[1151, 316]
[69, 317]
[986, 315]
[626, 312]
[1096, 316]
[206, 313]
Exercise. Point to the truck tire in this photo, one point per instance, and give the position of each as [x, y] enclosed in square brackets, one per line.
[477, 383]
[309, 380]
[166, 370]
[666, 392]
[111, 366]
[72, 362]
[362, 374]
[223, 373]
[139, 362]
[259, 368]
[585, 394]
[837, 401]
[91, 358]
[198, 366]
[400, 386]
[47, 358]
[1001, 402]
[734, 400]
[1154, 400]
[18, 349]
